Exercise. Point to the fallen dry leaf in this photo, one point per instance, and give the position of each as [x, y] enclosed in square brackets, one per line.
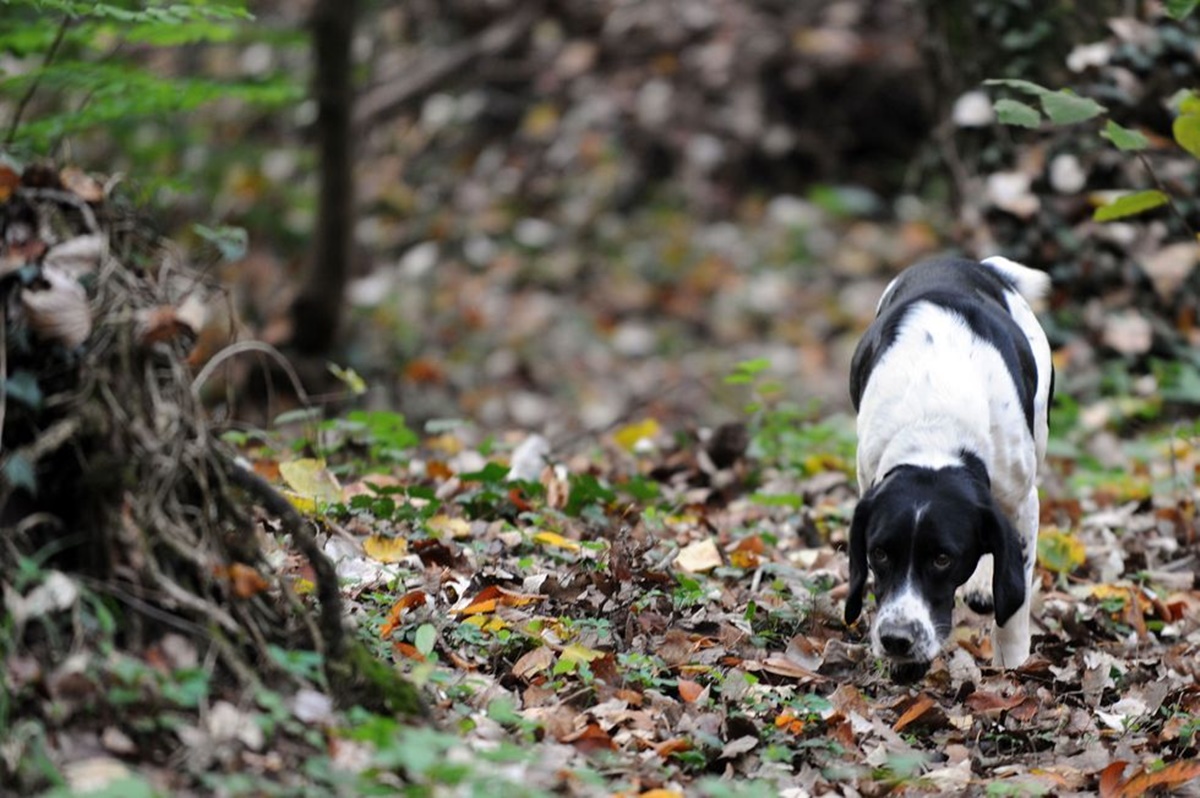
[246, 581]
[555, 540]
[533, 662]
[916, 710]
[691, 691]
[699, 557]
[386, 549]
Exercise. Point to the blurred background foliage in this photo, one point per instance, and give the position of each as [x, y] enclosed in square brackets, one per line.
[573, 211]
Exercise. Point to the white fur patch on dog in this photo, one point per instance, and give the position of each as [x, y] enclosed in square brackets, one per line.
[907, 612]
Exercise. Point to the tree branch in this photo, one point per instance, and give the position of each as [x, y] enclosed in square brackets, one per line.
[432, 71]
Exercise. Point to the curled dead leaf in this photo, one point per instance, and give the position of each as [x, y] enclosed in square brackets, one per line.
[591, 738]
[57, 308]
[699, 556]
[77, 256]
[245, 580]
[690, 691]
[492, 596]
[674, 745]
[9, 181]
[923, 704]
[408, 601]
[533, 662]
[81, 184]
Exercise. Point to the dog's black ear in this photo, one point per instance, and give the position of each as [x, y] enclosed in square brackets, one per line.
[858, 558]
[1008, 566]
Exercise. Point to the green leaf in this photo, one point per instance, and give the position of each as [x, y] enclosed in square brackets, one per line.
[1186, 129]
[1066, 108]
[425, 638]
[1020, 85]
[19, 473]
[1181, 9]
[1187, 102]
[1125, 139]
[23, 386]
[1130, 205]
[230, 241]
[1013, 112]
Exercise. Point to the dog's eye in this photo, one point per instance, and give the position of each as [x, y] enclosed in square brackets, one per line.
[879, 556]
[942, 561]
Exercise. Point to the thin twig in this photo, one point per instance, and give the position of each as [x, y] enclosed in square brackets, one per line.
[1170, 199]
[33, 85]
[64, 198]
[330, 619]
[440, 65]
[250, 346]
[3, 366]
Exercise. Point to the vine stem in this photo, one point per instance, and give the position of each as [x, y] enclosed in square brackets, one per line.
[36, 82]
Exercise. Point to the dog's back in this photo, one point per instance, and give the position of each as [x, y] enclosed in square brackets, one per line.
[934, 362]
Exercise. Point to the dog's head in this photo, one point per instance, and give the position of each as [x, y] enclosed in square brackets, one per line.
[921, 532]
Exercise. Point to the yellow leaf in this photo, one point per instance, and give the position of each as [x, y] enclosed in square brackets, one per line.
[486, 623]
[556, 540]
[445, 526]
[447, 443]
[1060, 551]
[628, 436]
[303, 587]
[494, 624]
[311, 480]
[478, 607]
[305, 505]
[385, 549]
[578, 653]
[540, 121]
[1104, 592]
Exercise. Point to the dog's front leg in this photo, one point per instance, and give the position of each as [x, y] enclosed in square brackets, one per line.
[1011, 642]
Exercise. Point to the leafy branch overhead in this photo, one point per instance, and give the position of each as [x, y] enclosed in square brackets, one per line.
[1064, 107]
[91, 79]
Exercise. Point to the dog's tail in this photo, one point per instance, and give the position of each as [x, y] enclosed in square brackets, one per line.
[1030, 283]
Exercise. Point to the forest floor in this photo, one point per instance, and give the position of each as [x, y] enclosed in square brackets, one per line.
[655, 609]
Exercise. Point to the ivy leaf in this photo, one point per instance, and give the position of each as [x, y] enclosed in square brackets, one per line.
[1186, 129]
[1181, 9]
[19, 473]
[1125, 139]
[1065, 108]
[1026, 86]
[1012, 112]
[1130, 205]
[23, 386]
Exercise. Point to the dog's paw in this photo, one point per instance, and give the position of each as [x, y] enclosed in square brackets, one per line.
[978, 590]
[980, 601]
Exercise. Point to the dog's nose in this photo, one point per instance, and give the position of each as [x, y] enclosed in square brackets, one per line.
[898, 639]
[896, 645]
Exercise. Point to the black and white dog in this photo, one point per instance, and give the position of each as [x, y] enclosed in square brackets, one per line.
[952, 384]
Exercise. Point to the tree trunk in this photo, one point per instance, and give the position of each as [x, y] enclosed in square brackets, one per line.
[317, 311]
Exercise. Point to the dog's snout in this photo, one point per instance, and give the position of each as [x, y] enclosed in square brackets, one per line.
[899, 639]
